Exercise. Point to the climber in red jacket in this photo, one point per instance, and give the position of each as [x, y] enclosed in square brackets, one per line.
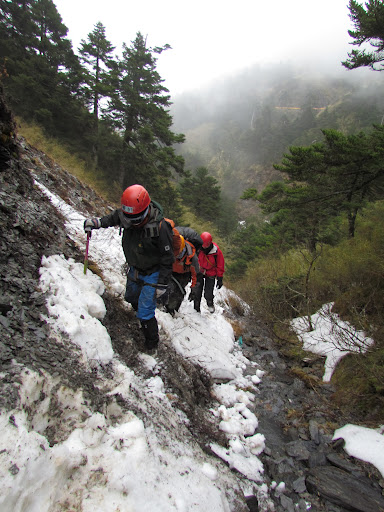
[211, 263]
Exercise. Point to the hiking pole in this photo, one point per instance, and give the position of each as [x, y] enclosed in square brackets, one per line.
[86, 252]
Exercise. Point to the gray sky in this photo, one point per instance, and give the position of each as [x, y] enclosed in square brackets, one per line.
[213, 38]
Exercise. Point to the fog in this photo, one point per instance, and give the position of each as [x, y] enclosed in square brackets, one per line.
[212, 40]
[239, 95]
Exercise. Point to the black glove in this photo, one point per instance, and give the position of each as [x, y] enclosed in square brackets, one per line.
[90, 224]
[219, 283]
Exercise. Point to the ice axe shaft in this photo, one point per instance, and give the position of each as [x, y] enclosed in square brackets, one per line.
[86, 252]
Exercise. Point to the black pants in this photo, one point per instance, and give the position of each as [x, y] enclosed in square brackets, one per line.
[206, 284]
[176, 294]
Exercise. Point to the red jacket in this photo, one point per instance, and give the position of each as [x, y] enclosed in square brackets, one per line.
[212, 264]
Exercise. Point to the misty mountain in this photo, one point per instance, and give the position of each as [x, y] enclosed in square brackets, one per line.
[240, 127]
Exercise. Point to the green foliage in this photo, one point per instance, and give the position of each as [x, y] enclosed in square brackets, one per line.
[353, 271]
[250, 243]
[369, 27]
[201, 193]
[249, 193]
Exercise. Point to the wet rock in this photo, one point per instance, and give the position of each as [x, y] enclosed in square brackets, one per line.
[4, 308]
[317, 459]
[299, 485]
[287, 503]
[252, 503]
[344, 490]
[314, 431]
[298, 450]
[4, 321]
[342, 463]
[5, 353]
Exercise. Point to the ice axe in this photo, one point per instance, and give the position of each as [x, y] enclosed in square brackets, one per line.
[86, 252]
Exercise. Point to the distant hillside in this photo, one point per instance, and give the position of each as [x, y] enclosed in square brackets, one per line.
[241, 127]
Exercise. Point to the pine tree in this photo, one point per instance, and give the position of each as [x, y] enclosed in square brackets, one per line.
[96, 54]
[201, 193]
[369, 28]
[139, 109]
[327, 179]
[43, 70]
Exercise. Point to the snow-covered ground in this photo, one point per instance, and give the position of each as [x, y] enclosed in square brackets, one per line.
[327, 335]
[113, 461]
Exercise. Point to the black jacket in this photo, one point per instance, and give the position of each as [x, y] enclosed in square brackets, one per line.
[147, 248]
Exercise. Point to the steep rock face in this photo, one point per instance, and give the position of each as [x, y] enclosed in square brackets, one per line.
[30, 228]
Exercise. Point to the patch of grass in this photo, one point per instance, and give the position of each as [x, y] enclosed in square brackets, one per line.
[64, 157]
[94, 267]
[359, 381]
[236, 326]
[289, 344]
[235, 305]
[311, 381]
[275, 287]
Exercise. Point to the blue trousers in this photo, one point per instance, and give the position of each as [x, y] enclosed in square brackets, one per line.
[142, 296]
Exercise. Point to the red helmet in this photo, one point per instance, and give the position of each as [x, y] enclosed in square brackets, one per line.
[206, 238]
[134, 202]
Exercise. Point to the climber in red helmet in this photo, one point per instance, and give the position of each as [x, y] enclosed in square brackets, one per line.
[147, 246]
[211, 263]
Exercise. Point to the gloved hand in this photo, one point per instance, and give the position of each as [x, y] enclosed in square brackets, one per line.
[162, 295]
[160, 292]
[90, 224]
[219, 283]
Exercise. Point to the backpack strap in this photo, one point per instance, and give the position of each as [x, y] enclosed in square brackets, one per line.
[152, 228]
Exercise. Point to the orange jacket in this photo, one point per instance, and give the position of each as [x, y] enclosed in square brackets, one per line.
[187, 263]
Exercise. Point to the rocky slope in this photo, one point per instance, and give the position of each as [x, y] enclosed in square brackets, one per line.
[297, 419]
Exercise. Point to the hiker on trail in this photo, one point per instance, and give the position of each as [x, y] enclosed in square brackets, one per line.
[147, 245]
[184, 269]
[211, 262]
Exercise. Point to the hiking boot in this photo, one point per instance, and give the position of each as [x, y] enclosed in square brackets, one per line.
[151, 333]
[211, 307]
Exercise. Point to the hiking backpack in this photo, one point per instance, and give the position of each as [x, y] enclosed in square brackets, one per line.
[192, 236]
[177, 242]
